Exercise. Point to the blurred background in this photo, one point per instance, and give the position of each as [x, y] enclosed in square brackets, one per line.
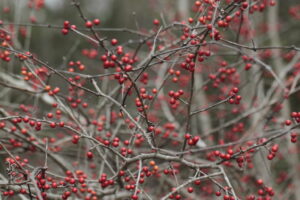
[30, 18]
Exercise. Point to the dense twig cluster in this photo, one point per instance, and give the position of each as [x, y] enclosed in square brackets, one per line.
[179, 113]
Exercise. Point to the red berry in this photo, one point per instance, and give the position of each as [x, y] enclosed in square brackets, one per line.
[96, 21]
[156, 22]
[64, 31]
[190, 189]
[114, 41]
[288, 122]
[275, 147]
[66, 24]
[197, 3]
[89, 154]
[293, 140]
[248, 66]
[128, 68]
[270, 156]
[88, 24]
[235, 90]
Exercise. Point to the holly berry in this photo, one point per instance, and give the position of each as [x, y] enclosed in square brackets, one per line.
[88, 24]
[96, 21]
